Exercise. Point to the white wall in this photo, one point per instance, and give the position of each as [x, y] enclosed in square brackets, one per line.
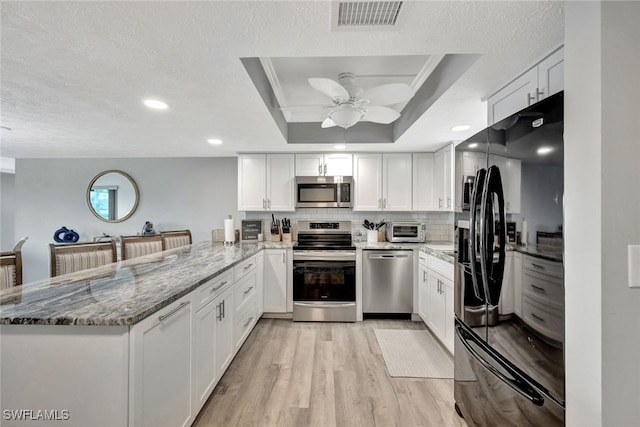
[602, 150]
[7, 211]
[175, 193]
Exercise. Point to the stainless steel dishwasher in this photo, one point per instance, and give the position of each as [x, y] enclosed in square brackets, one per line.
[387, 281]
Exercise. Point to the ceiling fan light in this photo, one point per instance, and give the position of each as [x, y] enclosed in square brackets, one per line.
[346, 116]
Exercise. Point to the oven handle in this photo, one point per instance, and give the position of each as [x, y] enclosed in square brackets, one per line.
[324, 256]
[325, 305]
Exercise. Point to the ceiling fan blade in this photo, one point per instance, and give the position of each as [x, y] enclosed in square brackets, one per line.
[392, 93]
[328, 123]
[379, 114]
[331, 88]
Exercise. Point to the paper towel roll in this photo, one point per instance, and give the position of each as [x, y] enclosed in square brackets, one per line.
[229, 231]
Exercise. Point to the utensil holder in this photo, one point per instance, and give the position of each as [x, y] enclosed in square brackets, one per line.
[380, 236]
[372, 236]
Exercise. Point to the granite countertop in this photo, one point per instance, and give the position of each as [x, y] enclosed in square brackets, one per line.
[441, 250]
[125, 292]
[387, 245]
[551, 253]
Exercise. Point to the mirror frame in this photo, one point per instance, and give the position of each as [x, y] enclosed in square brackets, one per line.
[135, 189]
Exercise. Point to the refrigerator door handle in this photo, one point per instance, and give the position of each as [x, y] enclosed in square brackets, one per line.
[517, 383]
[475, 196]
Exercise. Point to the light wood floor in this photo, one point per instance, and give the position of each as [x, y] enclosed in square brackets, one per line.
[323, 374]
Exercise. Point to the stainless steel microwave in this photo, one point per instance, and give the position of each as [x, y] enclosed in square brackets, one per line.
[406, 232]
[324, 192]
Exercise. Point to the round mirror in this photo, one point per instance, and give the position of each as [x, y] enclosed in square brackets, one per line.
[112, 196]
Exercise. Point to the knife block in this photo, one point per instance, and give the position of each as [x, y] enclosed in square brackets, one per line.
[275, 237]
[286, 237]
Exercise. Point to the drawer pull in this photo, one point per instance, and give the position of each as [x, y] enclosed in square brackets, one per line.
[248, 290]
[172, 312]
[538, 318]
[218, 287]
[248, 322]
[539, 289]
[248, 267]
[533, 264]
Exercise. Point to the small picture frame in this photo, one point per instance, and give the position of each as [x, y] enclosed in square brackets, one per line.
[250, 229]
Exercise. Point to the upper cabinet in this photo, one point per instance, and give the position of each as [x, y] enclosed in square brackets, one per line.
[382, 182]
[331, 164]
[443, 179]
[510, 173]
[266, 182]
[422, 182]
[539, 82]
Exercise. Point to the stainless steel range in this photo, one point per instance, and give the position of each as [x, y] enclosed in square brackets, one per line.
[324, 272]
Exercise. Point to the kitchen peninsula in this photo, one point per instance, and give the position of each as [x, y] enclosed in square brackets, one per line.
[141, 342]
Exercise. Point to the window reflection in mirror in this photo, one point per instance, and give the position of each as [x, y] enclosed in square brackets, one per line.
[112, 196]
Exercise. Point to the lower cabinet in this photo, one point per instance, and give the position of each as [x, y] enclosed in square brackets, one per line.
[223, 354]
[275, 280]
[160, 370]
[435, 296]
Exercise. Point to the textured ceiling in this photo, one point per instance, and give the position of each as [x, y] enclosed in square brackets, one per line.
[74, 74]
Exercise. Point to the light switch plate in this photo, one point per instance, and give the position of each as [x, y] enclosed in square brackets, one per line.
[634, 266]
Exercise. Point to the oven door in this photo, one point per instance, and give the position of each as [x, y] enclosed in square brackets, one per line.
[324, 288]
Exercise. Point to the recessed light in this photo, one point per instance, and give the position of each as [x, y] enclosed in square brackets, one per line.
[544, 150]
[214, 141]
[460, 128]
[473, 145]
[155, 104]
[340, 147]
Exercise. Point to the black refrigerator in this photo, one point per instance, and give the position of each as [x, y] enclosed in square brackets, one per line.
[509, 321]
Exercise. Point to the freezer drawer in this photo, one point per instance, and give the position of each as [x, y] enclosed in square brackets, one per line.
[387, 281]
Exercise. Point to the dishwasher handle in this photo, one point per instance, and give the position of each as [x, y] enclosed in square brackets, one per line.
[386, 256]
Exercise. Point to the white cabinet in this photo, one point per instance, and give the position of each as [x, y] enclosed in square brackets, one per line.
[422, 199]
[223, 332]
[204, 379]
[543, 296]
[539, 82]
[472, 162]
[507, 298]
[443, 179]
[266, 182]
[382, 182]
[160, 381]
[330, 164]
[275, 280]
[260, 283]
[517, 284]
[435, 296]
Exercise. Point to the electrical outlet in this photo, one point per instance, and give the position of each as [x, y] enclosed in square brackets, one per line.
[634, 266]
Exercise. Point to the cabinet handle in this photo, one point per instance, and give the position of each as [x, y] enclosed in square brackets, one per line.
[539, 94]
[284, 258]
[449, 202]
[172, 312]
[218, 287]
[269, 203]
[530, 98]
[539, 289]
[219, 312]
[248, 290]
[325, 168]
[538, 318]
[439, 202]
[264, 204]
[533, 264]
[384, 203]
[248, 267]
[248, 322]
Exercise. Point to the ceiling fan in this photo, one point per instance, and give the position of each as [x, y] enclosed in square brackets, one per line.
[353, 104]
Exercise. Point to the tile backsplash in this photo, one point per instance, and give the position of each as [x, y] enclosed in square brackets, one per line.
[439, 224]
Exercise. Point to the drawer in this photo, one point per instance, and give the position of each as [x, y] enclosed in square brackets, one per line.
[244, 268]
[243, 322]
[422, 258]
[548, 322]
[440, 266]
[208, 291]
[545, 289]
[244, 290]
[552, 268]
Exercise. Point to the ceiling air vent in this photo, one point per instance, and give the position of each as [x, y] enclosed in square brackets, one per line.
[368, 13]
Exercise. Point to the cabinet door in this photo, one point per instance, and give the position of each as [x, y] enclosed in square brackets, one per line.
[260, 283]
[517, 95]
[204, 379]
[422, 199]
[517, 284]
[309, 164]
[438, 181]
[551, 74]
[436, 314]
[367, 177]
[396, 182]
[338, 164]
[447, 154]
[449, 315]
[280, 182]
[275, 281]
[506, 302]
[161, 368]
[251, 182]
[224, 331]
[514, 177]
[423, 293]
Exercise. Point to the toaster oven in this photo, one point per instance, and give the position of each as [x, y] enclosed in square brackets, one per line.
[406, 232]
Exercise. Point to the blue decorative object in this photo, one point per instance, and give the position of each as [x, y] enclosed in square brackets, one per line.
[64, 235]
[147, 228]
